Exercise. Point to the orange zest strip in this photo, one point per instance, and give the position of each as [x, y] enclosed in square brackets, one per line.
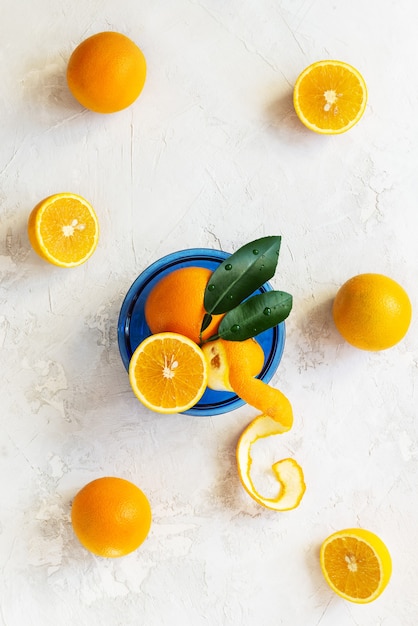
[270, 401]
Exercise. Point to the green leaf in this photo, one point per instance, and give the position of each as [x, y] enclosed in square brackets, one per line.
[206, 322]
[255, 315]
[241, 274]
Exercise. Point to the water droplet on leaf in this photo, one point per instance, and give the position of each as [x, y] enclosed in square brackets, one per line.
[211, 287]
[228, 267]
[267, 311]
[235, 328]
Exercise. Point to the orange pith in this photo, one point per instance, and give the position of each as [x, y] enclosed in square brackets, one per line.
[175, 304]
[111, 516]
[168, 373]
[106, 72]
[330, 96]
[63, 229]
[246, 357]
[287, 472]
[356, 564]
[372, 312]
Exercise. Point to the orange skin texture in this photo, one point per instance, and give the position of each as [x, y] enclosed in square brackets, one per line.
[372, 312]
[266, 399]
[175, 304]
[106, 72]
[111, 517]
[245, 358]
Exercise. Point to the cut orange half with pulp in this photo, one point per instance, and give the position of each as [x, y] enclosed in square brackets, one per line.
[287, 472]
[330, 97]
[168, 373]
[356, 564]
[63, 229]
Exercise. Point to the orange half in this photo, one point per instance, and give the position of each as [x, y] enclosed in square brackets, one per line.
[356, 564]
[168, 373]
[330, 97]
[63, 229]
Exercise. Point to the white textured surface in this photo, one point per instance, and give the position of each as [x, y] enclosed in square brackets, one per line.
[210, 155]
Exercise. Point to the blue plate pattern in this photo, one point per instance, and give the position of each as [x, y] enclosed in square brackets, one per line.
[132, 327]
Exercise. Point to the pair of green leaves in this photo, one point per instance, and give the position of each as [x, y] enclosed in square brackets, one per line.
[232, 283]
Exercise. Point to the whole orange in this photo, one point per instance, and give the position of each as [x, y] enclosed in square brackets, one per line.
[175, 304]
[111, 516]
[106, 72]
[372, 312]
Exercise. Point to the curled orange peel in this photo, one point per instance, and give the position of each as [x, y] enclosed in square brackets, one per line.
[287, 472]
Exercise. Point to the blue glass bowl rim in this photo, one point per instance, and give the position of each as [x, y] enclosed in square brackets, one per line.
[147, 276]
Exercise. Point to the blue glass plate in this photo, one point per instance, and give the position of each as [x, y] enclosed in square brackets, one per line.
[132, 327]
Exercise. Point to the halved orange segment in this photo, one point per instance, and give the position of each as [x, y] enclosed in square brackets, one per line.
[63, 229]
[330, 97]
[287, 472]
[356, 564]
[168, 373]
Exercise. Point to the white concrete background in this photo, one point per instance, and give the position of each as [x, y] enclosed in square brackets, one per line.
[211, 155]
